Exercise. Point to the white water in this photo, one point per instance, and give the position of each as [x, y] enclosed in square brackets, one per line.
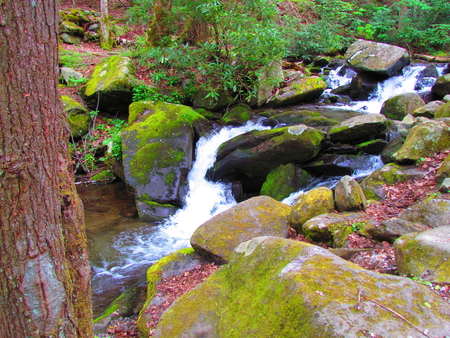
[396, 85]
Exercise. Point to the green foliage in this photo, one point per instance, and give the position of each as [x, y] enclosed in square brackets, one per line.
[71, 59]
[146, 93]
[74, 82]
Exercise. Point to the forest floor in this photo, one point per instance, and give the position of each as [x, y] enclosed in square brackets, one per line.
[379, 257]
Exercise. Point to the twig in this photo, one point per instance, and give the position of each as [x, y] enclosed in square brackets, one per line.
[390, 310]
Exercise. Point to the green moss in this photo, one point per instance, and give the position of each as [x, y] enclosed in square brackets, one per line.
[103, 176]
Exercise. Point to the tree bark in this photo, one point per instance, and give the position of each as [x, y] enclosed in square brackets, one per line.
[106, 35]
[44, 271]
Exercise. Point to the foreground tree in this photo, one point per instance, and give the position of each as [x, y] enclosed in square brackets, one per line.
[44, 272]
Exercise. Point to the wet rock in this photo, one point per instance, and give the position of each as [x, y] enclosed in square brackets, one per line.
[258, 216]
[302, 90]
[358, 128]
[336, 165]
[425, 255]
[377, 58]
[238, 115]
[399, 106]
[315, 304]
[310, 204]
[442, 86]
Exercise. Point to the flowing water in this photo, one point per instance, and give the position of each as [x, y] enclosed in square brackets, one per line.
[121, 253]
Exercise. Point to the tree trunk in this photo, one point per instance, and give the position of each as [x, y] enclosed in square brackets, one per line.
[106, 36]
[44, 271]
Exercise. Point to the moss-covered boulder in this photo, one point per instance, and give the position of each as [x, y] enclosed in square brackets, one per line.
[425, 255]
[397, 107]
[238, 115]
[358, 128]
[334, 229]
[429, 110]
[70, 32]
[443, 111]
[377, 58]
[168, 266]
[77, 116]
[158, 147]
[349, 195]
[444, 170]
[274, 287]
[373, 185]
[258, 216]
[283, 181]
[109, 88]
[302, 90]
[441, 86]
[310, 204]
[423, 140]
[294, 117]
[248, 158]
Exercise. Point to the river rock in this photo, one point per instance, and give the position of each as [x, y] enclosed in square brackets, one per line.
[373, 185]
[77, 116]
[110, 87]
[310, 204]
[361, 87]
[248, 158]
[172, 265]
[283, 181]
[442, 86]
[294, 117]
[274, 287]
[429, 110]
[349, 195]
[425, 255]
[391, 148]
[423, 140]
[238, 115]
[336, 165]
[378, 58]
[301, 90]
[358, 128]
[258, 216]
[419, 217]
[334, 229]
[158, 147]
[399, 106]
[443, 111]
[427, 77]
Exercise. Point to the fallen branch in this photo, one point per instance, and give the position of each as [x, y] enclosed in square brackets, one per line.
[388, 309]
[432, 58]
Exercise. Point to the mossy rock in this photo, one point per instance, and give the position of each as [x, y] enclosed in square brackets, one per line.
[77, 116]
[443, 111]
[373, 185]
[238, 115]
[258, 216]
[110, 86]
[71, 28]
[310, 204]
[399, 106]
[171, 265]
[158, 147]
[294, 117]
[358, 128]
[423, 140]
[429, 110]
[441, 86]
[104, 176]
[349, 195]
[283, 181]
[202, 100]
[275, 287]
[302, 90]
[373, 147]
[444, 170]
[425, 255]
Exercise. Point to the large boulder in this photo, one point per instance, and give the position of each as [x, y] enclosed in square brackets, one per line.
[158, 147]
[373, 185]
[250, 157]
[378, 58]
[302, 90]
[358, 128]
[399, 106]
[423, 140]
[258, 216]
[110, 87]
[441, 86]
[310, 204]
[425, 255]
[274, 287]
[284, 180]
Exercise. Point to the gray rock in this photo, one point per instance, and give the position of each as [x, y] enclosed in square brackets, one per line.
[399, 106]
[358, 128]
[349, 196]
[442, 86]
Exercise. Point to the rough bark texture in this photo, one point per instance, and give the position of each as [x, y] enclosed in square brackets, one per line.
[44, 271]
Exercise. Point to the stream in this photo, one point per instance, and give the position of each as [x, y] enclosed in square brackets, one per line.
[122, 247]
